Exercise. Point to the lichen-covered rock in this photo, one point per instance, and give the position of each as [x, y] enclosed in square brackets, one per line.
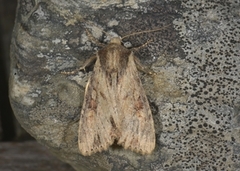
[204, 131]
[194, 96]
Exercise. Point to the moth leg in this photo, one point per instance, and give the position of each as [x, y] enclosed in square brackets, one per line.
[139, 65]
[87, 63]
[142, 68]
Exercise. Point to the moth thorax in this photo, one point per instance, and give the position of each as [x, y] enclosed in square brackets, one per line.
[116, 40]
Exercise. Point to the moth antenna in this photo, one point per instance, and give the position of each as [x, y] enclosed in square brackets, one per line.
[146, 31]
[93, 39]
[141, 46]
[92, 24]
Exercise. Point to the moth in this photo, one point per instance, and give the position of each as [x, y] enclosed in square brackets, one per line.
[115, 107]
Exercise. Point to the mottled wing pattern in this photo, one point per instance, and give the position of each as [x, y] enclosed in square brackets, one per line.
[96, 126]
[115, 106]
[137, 129]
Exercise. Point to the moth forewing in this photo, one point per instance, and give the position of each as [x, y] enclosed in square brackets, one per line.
[137, 131]
[115, 105]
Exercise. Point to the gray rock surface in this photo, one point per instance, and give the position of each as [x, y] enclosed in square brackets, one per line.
[29, 156]
[194, 96]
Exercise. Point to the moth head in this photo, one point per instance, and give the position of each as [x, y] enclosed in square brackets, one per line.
[116, 40]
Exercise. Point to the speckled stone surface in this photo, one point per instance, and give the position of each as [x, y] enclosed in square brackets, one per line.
[203, 134]
[194, 96]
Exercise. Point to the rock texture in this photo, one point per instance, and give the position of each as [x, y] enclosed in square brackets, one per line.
[194, 96]
[28, 156]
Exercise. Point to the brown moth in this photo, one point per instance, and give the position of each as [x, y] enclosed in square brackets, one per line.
[115, 106]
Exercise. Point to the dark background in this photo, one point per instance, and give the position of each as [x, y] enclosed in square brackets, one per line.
[10, 129]
[8, 122]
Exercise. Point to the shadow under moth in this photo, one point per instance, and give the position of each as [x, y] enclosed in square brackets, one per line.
[115, 106]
